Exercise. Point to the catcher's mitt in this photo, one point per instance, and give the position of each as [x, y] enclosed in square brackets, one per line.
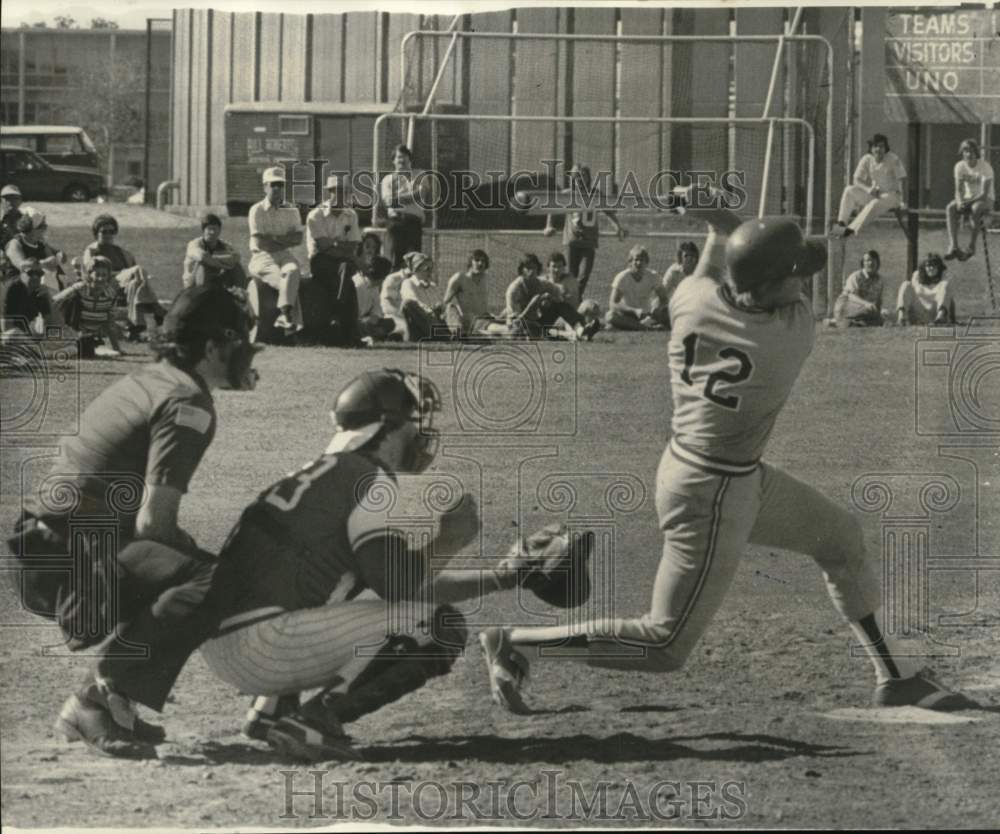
[554, 565]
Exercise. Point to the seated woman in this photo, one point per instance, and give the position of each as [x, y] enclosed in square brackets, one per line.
[134, 288]
[687, 260]
[88, 307]
[210, 260]
[536, 308]
[926, 298]
[373, 269]
[30, 245]
[860, 304]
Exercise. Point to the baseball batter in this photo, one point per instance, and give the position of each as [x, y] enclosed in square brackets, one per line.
[737, 346]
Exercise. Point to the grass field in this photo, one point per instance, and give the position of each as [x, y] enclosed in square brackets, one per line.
[772, 699]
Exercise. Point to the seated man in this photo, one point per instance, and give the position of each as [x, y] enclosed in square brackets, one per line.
[687, 260]
[637, 301]
[210, 260]
[332, 236]
[974, 197]
[466, 301]
[558, 274]
[24, 300]
[275, 227]
[860, 304]
[879, 186]
[535, 307]
[421, 308]
[373, 269]
[926, 298]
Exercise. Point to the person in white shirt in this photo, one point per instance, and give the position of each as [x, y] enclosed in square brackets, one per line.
[636, 301]
[879, 183]
[404, 212]
[974, 198]
[420, 303]
[372, 323]
[332, 235]
[926, 298]
[687, 260]
[275, 227]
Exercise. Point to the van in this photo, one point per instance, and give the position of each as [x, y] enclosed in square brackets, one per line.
[56, 144]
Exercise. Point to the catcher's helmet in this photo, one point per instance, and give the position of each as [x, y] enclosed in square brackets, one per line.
[768, 249]
[386, 398]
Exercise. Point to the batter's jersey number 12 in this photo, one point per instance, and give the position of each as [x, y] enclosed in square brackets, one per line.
[731, 378]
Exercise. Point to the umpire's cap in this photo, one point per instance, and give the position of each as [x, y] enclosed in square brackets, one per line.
[771, 248]
[204, 311]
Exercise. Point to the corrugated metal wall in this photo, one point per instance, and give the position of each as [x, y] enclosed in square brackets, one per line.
[355, 57]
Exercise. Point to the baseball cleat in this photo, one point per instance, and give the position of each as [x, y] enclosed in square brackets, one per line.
[83, 719]
[298, 739]
[920, 690]
[260, 719]
[507, 668]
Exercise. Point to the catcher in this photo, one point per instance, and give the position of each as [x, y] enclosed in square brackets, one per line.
[287, 584]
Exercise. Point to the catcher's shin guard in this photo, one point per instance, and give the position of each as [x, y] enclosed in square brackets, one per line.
[403, 665]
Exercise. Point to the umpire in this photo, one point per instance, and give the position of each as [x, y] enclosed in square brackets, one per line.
[98, 543]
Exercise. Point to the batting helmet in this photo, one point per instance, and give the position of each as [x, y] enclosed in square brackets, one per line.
[386, 398]
[768, 249]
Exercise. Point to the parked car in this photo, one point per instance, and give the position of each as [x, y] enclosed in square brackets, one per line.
[42, 181]
[56, 144]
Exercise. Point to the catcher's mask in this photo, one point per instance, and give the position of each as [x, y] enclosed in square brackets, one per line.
[379, 401]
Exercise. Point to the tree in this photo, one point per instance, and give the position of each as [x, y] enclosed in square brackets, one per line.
[102, 23]
[112, 110]
[64, 22]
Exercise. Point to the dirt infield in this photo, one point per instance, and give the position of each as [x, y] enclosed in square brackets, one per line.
[768, 725]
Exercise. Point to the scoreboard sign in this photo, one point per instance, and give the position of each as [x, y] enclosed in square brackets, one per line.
[942, 65]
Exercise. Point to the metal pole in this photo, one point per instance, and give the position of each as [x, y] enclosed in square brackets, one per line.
[147, 132]
[767, 168]
[439, 76]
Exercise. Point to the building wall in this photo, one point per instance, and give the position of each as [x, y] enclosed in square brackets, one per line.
[44, 74]
[221, 58]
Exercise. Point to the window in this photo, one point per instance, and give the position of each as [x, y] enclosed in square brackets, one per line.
[21, 161]
[293, 125]
[62, 144]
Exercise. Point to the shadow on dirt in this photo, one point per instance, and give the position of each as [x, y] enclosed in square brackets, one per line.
[620, 747]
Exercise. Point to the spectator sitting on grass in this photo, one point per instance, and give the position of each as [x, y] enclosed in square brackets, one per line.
[87, 307]
[372, 271]
[687, 260]
[422, 310]
[466, 301]
[636, 301]
[133, 288]
[860, 304]
[210, 260]
[926, 297]
[558, 274]
[30, 245]
[11, 196]
[24, 300]
[536, 307]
